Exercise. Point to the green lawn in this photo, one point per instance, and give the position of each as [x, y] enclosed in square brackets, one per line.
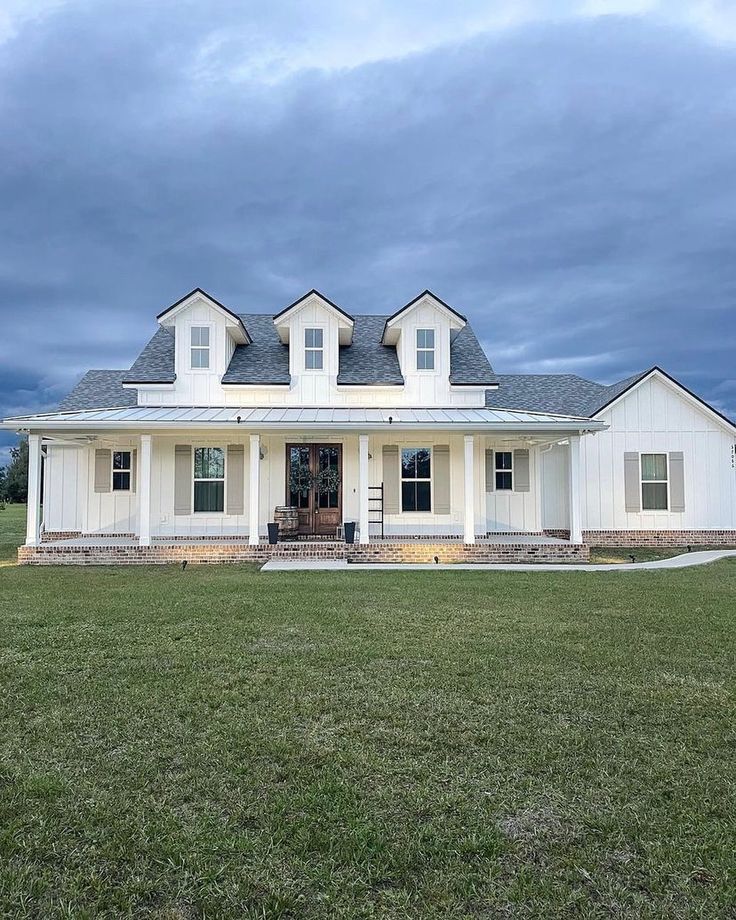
[12, 531]
[623, 554]
[224, 743]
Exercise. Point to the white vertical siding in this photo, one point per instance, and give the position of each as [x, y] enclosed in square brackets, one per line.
[511, 510]
[555, 488]
[657, 417]
[61, 494]
[311, 388]
[163, 520]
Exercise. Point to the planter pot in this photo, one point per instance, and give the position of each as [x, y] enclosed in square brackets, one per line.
[349, 527]
[273, 533]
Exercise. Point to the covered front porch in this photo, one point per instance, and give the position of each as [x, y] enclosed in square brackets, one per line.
[415, 482]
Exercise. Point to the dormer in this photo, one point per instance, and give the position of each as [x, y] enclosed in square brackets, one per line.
[206, 334]
[315, 329]
[421, 333]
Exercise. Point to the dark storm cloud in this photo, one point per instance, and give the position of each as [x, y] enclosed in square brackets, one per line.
[569, 186]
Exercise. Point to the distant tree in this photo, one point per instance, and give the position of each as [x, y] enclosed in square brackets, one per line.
[14, 481]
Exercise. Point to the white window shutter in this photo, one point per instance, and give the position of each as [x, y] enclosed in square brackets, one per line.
[133, 470]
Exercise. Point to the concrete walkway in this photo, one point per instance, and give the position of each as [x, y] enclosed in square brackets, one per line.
[341, 565]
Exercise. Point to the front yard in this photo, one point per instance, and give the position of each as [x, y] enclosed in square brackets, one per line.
[223, 743]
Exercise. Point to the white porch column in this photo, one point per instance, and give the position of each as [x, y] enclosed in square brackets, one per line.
[469, 489]
[33, 514]
[363, 505]
[144, 492]
[576, 518]
[255, 485]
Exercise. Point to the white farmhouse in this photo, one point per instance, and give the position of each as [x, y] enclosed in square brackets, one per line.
[395, 427]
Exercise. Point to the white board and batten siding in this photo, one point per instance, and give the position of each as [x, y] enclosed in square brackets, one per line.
[655, 417]
[310, 387]
[71, 500]
[74, 504]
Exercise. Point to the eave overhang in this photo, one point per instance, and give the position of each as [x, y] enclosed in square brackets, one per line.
[143, 418]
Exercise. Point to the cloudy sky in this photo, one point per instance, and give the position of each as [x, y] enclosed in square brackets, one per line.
[562, 171]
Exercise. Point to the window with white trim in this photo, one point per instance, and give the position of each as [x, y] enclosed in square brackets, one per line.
[425, 349]
[209, 479]
[314, 349]
[121, 460]
[504, 470]
[416, 479]
[199, 351]
[654, 482]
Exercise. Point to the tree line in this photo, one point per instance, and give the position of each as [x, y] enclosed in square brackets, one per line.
[14, 476]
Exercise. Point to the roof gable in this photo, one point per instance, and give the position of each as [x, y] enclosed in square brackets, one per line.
[625, 387]
[390, 333]
[234, 322]
[345, 321]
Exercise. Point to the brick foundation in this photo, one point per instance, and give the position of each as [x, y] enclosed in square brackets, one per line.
[560, 534]
[659, 537]
[52, 535]
[231, 552]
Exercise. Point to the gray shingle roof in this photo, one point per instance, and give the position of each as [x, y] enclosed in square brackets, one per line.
[562, 394]
[99, 390]
[615, 389]
[264, 361]
[469, 365]
[155, 364]
[366, 361]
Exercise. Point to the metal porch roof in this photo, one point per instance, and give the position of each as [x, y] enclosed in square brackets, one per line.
[283, 417]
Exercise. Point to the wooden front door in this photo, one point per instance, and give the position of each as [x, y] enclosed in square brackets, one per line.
[314, 486]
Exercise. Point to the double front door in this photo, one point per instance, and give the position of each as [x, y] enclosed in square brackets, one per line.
[314, 486]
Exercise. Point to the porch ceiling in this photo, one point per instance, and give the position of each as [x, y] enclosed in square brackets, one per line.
[283, 417]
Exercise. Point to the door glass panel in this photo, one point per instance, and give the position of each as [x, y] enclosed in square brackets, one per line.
[328, 466]
[299, 476]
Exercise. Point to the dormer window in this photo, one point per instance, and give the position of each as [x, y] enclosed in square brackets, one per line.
[314, 349]
[425, 349]
[200, 347]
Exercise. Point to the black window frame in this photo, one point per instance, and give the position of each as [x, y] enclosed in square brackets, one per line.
[122, 473]
[503, 474]
[416, 490]
[203, 495]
